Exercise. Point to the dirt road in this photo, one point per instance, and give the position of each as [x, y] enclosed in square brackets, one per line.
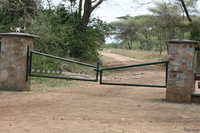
[117, 60]
[94, 108]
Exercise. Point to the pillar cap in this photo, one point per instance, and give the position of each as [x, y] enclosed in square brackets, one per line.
[18, 34]
[182, 41]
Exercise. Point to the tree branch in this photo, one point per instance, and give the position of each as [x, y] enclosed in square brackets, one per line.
[148, 2]
[80, 8]
[97, 4]
[186, 11]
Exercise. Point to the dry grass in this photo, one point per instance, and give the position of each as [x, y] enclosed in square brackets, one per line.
[147, 56]
[106, 60]
[48, 84]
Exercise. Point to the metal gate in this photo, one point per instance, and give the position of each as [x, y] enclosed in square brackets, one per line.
[146, 75]
[60, 68]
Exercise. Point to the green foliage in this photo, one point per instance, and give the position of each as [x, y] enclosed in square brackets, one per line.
[195, 35]
[112, 45]
[59, 28]
[195, 32]
[52, 37]
[12, 13]
[127, 31]
[46, 85]
[85, 43]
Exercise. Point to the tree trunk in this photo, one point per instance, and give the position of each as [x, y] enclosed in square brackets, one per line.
[87, 13]
[88, 8]
[80, 8]
[161, 48]
[25, 12]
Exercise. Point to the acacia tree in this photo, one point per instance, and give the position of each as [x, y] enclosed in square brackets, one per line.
[187, 6]
[147, 33]
[126, 30]
[166, 20]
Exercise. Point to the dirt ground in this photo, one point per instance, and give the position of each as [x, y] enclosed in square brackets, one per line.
[94, 108]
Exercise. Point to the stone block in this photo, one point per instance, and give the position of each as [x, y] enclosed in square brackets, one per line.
[181, 52]
[191, 46]
[189, 54]
[183, 66]
[20, 60]
[175, 63]
[3, 75]
[176, 46]
[177, 57]
[184, 46]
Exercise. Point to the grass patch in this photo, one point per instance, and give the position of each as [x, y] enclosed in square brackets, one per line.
[104, 61]
[147, 56]
[160, 100]
[48, 84]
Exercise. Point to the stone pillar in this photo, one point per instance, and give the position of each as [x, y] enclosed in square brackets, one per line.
[181, 69]
[13, 61]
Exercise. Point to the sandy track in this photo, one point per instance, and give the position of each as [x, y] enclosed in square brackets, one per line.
[117, 60]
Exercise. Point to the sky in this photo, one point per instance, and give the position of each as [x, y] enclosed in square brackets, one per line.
[109, 12]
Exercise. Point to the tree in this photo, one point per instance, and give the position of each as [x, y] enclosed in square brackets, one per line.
[88, 33]
[126, 30]
[62, 33]
[167, 22]
[147, 33]
[188, 7]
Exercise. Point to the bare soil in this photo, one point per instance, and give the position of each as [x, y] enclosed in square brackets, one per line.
[94, 108]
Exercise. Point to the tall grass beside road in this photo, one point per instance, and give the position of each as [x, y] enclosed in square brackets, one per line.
[147, 56]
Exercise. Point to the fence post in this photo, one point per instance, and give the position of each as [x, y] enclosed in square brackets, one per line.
[181, 69]
[13, 61]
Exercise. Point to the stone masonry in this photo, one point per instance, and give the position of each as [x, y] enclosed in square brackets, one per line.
[181, 69]
[13, 61]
